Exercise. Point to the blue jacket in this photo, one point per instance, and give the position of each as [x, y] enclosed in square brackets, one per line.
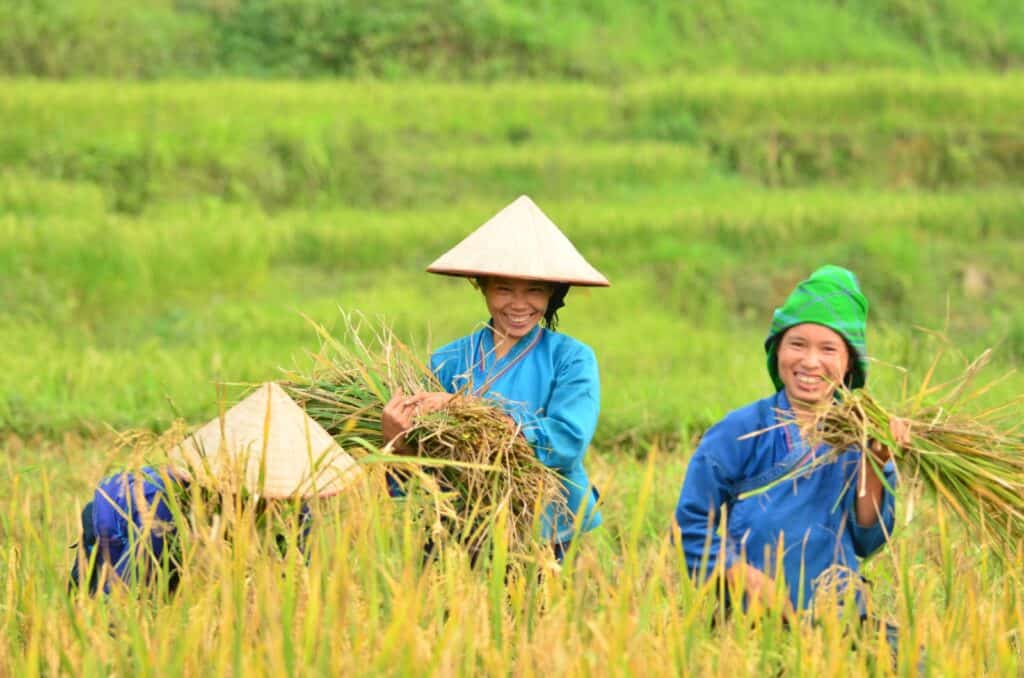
[130, 520]
[548, 383]
[128, 523]
[812, 517]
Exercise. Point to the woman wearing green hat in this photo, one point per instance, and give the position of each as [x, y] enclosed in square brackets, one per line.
[834, 515]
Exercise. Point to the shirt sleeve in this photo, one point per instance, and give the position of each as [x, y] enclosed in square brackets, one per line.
[867, 540]
[707, 486]
[561, 434]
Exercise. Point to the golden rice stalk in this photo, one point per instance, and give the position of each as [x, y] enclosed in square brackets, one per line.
[972, 460]
[487, 466]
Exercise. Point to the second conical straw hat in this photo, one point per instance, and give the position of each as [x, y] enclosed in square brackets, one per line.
[520, 241]
[267, 445]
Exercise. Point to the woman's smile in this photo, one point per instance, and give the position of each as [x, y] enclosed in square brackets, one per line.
[516, 306]
[812, 360]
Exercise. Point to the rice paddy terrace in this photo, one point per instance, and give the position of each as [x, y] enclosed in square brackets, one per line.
[157, 237]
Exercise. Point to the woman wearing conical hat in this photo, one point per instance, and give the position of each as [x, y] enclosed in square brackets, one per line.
[546, 381]
[832, 516]
[265, 447]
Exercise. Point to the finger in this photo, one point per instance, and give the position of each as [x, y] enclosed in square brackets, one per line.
[400, 420]
[905, 433]
[435, 400]
[424, 402]
[900, 429]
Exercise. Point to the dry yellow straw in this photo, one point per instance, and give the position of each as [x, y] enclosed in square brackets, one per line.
[973, 461]
[491, 467]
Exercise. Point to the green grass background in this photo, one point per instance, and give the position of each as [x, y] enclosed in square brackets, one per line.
[158, 237]
[494, 39]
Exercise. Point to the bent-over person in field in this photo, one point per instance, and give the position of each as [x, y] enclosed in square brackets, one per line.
[263, 458]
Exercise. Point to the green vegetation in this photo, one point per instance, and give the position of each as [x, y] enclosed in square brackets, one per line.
[574, 39]
[200, 292]
[175, 232]
[377, 145]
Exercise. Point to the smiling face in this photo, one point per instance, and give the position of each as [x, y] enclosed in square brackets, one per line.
[812, 360]
[516, 305]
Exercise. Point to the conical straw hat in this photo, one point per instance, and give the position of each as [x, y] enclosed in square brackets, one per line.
[267, 445]
[520, 241]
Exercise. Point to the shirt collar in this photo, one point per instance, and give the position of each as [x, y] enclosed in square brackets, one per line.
[782, 402]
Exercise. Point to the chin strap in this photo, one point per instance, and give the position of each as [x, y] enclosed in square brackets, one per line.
[483, 362]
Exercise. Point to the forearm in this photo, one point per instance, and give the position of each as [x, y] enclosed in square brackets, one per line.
[870, 495]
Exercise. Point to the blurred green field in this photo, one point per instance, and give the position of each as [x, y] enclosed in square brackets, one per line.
[109, 315]
[443, 39]
[158, 238]
[175, 232]
[288, 144]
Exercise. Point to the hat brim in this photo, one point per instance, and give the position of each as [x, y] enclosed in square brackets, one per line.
[467, 273]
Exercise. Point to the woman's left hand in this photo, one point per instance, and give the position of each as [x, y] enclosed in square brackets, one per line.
[899, 428]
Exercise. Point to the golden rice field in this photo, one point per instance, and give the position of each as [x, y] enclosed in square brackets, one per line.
[366, 603]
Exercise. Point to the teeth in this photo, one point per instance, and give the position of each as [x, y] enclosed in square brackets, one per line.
[811, 381]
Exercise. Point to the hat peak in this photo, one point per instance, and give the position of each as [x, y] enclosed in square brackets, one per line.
[520, 241]
[268, 445]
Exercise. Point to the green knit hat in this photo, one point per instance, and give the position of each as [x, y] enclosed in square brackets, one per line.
[830, 297]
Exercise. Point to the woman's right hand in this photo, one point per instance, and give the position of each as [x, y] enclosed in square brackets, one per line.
[399, 412]
[761, 588]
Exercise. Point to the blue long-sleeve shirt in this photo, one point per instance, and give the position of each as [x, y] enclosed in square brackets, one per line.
[130, 518]
[548, 383]
[812, 517]
[130, 521]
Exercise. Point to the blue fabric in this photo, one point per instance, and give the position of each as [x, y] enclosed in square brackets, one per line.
[553, 393]
[117, 512]
[117, 521]
[813, 516]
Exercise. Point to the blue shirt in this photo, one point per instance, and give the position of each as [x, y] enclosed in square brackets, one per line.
[130, 518]
[812, 517]
[548, 383]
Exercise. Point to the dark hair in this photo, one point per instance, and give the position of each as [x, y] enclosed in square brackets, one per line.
[557, 300]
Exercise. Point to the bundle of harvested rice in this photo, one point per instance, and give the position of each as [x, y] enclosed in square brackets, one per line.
[972, 460]
[476, 455]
